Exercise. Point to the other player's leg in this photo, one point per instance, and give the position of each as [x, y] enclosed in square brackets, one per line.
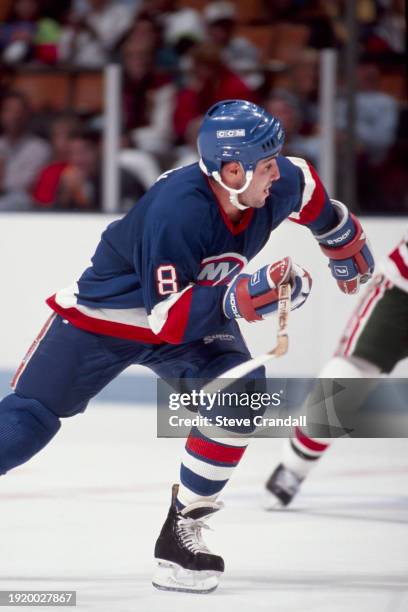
[375, 339]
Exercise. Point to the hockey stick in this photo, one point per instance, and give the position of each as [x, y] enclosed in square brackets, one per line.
[282, 345]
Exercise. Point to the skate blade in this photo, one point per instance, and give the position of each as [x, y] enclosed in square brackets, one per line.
[173, 577]
[271, 502]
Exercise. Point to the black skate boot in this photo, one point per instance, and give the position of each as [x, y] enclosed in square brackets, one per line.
[282, 487]
[184, 561]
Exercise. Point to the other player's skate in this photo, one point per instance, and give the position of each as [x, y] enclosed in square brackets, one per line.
[184, 561]
[281, 487]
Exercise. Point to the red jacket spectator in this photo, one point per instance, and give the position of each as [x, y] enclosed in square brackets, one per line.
[46, 187]
[210, 81]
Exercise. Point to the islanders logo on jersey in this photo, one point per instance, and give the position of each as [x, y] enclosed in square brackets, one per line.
[220, 269]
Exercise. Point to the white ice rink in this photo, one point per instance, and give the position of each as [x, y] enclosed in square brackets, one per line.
[85, 513]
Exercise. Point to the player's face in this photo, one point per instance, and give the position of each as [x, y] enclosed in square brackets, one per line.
[266, 172]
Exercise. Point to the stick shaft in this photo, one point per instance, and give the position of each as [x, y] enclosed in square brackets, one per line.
[280, 349]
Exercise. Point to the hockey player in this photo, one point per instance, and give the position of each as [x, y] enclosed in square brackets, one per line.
[374, 341]
[164, 278]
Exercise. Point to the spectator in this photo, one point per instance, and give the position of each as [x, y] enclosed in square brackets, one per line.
[11, 200]
[209, 81]
[45, 188]
[81, 7]
[187, 153]
[388, 191]
[380, 159]
[377, 114]
[386, 36]
[285, 106]
[88, 39]
[21, 153]
[148, 99]
[393, 26]
[18, 31]
[26, 35]
[47, 41]
[281, 10]
[80, 185]
[317, 15]
[238, 53]
[303, 84]
[182, 26]
[148, 32]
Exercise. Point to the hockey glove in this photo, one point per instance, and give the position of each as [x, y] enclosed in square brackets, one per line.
[351, 260]
[254, 296]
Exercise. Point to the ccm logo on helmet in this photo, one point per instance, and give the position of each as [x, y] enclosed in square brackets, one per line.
[230, 133]
[220, 269]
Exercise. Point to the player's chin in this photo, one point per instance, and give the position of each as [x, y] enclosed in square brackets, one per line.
[260, 202]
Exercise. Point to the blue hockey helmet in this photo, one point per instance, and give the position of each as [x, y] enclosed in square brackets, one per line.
[237, 130]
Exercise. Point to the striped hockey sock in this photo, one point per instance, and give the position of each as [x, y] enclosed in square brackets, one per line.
[206, 467]
[301, 452]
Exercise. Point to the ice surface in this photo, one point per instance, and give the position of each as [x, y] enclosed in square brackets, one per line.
[84, 515]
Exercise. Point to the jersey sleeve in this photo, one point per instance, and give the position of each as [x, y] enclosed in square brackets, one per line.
[314, 209]
[168, 263]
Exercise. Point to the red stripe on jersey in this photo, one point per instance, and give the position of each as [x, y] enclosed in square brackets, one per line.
[312, 209]
[237, 228]
[213, 451]
[395, 256]
[106, 328]
[308, 442]
[177, 319]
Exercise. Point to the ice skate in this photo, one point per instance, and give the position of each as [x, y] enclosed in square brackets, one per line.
[281, 487]
[184, 561]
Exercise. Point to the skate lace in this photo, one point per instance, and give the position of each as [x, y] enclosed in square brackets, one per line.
[190, 534]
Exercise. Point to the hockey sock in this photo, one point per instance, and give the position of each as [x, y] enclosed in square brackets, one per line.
[206, 467]
[301, 452]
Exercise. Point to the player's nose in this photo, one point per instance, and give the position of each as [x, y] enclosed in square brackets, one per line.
[275, 174]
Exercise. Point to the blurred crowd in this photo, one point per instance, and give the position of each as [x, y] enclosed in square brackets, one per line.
[178, 58]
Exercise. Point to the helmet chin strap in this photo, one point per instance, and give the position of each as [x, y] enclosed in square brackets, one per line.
[233, 193]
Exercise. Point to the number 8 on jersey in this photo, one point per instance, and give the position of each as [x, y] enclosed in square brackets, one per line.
[166, 277]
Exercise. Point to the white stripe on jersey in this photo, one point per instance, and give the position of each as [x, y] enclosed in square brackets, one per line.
[158, 317]
[310, 184]
[66, 298]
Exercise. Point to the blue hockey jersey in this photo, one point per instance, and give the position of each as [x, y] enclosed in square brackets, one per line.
[159, 273]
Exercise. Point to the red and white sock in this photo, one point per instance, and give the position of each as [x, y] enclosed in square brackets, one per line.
[301, 452]
[207, 465]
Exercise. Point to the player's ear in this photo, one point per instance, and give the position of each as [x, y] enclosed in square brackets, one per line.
[232, 174]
